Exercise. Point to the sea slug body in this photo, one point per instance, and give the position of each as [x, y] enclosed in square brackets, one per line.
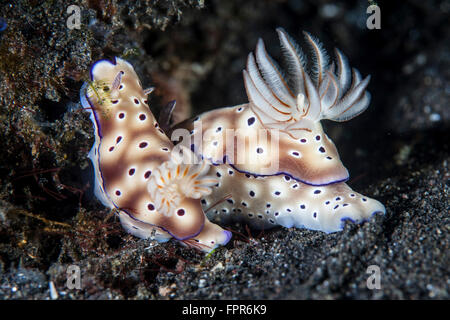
[271, 155]
[138, 172]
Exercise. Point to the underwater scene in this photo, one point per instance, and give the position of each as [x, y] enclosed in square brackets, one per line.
[224, 150]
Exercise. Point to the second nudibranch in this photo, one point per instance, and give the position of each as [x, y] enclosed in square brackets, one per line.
[271, 155]
[154, 190]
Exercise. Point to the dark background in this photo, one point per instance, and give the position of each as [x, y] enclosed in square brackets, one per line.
[194, 52]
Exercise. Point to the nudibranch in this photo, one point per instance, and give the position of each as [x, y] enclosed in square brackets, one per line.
[271, 155]
[153, 188]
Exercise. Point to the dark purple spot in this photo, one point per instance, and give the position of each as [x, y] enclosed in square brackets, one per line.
[224, 210]
[364, 199]
[230, 201]
[196, 118]
[136, 101]
[118, 193]
[142, 117]
[295, 186]
[150, 207]
[131, 171]
[329, 158]
[295, 153]
[337, 206]
[345, 204]
[322, 149]
[259, 150]
[192, 147]
[119, 138]
[277, 193]
[251, 193]
[164, 149]
[218, 174]
[240, 109]
[156, 125]
[268, 205]
[302, 206]
[143, 145]
[287, 178]
[147, 174]
[244, 204]
[230, 172]
[121, 115]
[338, 198]
[111, 149]
[115, 101]
[250, 215]
[219, 129]
[352, 195]
[180, 212]
[327, 202]
[317, 191]
[251, 121]
[247, 175]
[260, 216]
[288, 210]
[271, 221]
[317, 138]
[303, 140]
[122, 72]
[203, 201]
[121, 87]
[215, 143]
[277, 213]
[315, 214]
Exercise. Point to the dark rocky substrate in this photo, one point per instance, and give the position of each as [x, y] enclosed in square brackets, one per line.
[397, 151]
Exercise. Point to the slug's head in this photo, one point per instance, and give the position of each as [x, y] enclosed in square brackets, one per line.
[107, 80]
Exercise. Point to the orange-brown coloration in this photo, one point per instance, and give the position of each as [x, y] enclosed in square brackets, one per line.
[133, 163]
[127, 191]
[313, 167]
[272, 156]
